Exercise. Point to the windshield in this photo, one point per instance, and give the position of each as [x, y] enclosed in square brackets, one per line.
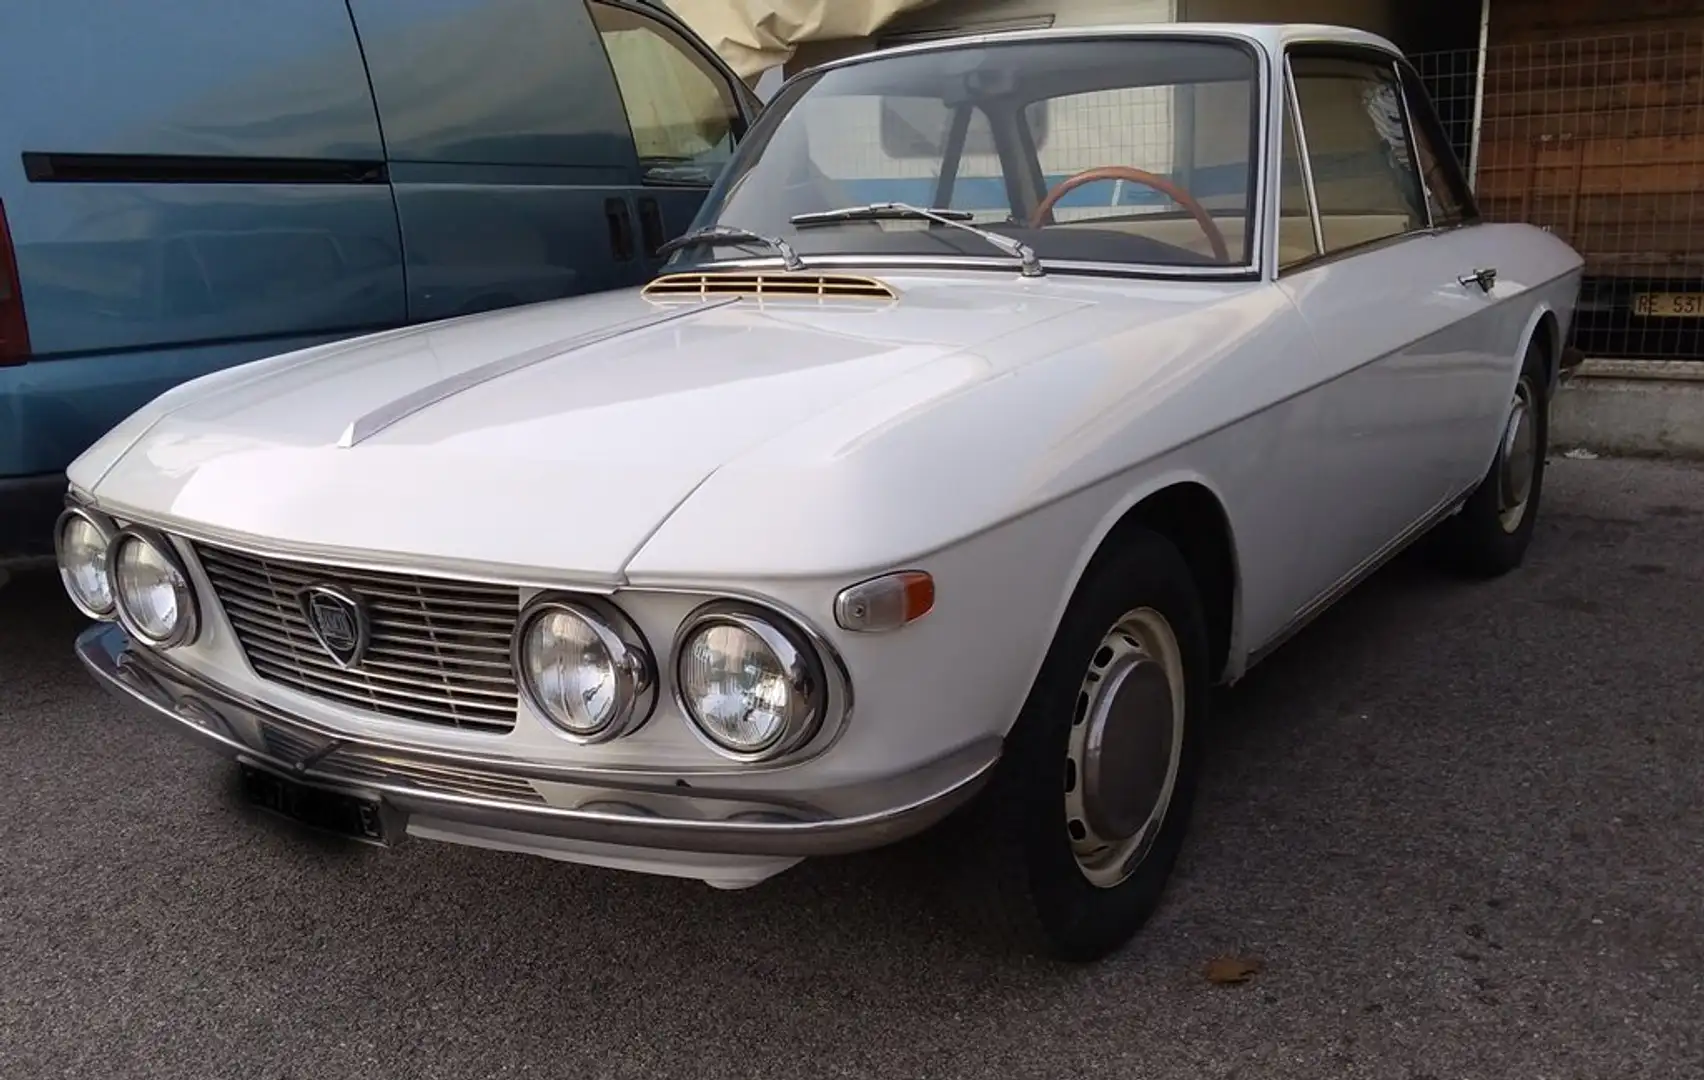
[1134, 151]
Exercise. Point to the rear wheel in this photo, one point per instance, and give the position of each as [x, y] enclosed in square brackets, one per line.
[1491, 533]
[1089, 808]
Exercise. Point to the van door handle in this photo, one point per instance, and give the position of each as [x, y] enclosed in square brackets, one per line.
[650, 224]
[1484, 278]
[620, 223]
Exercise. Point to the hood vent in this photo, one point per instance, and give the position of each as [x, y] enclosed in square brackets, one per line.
[802, 286]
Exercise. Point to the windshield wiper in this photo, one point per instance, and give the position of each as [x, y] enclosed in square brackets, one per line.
[893, 211]
[724, 234]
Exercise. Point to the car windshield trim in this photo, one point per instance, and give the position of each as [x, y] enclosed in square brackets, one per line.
[1255, 251]
[907, 261]
[1252, 41]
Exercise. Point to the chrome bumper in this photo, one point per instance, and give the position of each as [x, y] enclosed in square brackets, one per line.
[493, 793]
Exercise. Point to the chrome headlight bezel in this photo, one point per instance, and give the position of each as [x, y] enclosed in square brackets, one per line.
[799, 652]
[634, 665]
[188, 625]
[106, 527]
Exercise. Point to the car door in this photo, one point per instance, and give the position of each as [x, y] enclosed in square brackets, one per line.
[685, 111]
[1493, 275]
[508, 151]
[1392, 323]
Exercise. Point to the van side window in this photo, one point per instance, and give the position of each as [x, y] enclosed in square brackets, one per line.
[1365, 177]
[683, 113]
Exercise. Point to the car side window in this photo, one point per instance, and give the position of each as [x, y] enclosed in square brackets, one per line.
[1296, 242]
[684, 115]
[1365, 180]
[1446, 187]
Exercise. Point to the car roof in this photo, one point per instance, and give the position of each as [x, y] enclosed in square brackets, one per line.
[1273, 37]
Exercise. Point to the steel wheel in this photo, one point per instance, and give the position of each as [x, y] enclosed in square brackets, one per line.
[1125, 747]
[1517, 458]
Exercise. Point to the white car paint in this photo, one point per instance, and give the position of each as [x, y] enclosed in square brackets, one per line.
[988, 428]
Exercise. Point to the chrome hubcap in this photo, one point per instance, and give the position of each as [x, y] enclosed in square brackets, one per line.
[1517, 460]
[1126, 743]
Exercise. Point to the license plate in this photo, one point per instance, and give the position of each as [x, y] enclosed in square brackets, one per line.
[1669, 305]
[358, 817]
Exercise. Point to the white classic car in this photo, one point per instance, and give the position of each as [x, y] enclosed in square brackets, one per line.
[1011, 391]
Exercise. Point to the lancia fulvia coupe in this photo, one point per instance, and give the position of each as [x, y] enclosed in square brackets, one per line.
[1009, 392]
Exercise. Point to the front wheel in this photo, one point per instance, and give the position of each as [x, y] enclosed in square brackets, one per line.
[1091, 802]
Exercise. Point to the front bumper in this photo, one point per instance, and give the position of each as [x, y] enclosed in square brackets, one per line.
[513, 798]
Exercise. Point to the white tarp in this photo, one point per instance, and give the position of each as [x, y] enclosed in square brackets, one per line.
[756, 35]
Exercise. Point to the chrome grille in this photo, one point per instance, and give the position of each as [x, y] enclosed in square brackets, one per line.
[439, 651]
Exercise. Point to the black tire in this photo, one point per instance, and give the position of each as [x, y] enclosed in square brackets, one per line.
[1025, 883]
[1476, 542]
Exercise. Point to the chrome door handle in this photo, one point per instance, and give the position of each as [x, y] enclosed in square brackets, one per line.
[1485, 278]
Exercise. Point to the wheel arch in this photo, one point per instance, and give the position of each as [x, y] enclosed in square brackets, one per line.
[1188, 511]
[1544, 329]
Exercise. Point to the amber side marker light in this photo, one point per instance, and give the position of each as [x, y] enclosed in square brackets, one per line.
[885, 603]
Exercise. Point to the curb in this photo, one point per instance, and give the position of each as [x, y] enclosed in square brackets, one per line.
[1632, 408]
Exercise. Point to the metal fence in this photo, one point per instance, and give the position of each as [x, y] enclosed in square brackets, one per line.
[1600, 140]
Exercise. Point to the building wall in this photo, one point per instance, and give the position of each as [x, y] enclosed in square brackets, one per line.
[1593, 127]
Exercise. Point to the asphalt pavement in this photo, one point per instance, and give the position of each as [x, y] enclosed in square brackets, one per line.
[1459, 827]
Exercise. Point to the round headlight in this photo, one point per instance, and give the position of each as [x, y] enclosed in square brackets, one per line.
[155, 600]
[751, 688]
[585, 669]
[81, 541]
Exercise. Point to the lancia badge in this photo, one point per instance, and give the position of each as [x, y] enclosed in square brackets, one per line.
[338, 620]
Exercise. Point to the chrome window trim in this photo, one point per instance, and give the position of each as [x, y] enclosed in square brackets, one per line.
[1261, 250]
[1429, 230]
[1409, 82]
[1135, 31]
[1294, 106]
[1413, 144]
[1137, 271]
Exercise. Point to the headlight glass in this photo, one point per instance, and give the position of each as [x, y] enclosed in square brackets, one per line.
[83, 564]
[750, 688]
[154, 598]
[585, 670]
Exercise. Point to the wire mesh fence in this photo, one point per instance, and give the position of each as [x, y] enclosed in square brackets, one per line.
[1601, 141]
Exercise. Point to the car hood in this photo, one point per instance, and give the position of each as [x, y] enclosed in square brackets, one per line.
[442, 442]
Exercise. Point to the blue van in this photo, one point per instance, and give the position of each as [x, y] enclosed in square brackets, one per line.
[191, 184]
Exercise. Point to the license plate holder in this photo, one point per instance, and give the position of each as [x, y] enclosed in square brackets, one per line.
[1669, 305]
[348, 814]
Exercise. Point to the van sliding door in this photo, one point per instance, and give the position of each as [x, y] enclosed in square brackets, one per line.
[508, 148]
[188, 185]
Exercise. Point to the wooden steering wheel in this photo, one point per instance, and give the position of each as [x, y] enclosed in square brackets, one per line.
[1159, 183]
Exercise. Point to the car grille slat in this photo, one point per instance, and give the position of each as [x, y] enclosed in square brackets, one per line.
[462, 622]
[438, 651]
[403, 676]
[488, 654]
[358, 764]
